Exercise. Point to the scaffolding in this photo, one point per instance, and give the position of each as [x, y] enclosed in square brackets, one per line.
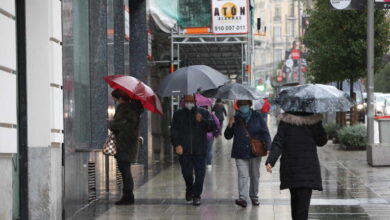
[229, 54]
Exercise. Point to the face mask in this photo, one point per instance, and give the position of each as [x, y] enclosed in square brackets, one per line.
[244, 109]
[189, 105]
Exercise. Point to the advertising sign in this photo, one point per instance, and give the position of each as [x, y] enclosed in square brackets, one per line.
[340, 4]
[382, 4]
[229, 16]
[295, 54]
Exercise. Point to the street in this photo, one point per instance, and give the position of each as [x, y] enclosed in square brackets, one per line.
[352, 190]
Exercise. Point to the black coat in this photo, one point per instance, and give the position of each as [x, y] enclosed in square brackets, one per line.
[125, 128]
[189, 133]
[257, 128]
[220, 111]
[297, 140]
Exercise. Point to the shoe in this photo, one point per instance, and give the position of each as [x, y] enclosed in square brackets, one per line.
[196, 201]
[241, 203]
[189, 197]
[209, 166]
[255, 202]
[127, 198]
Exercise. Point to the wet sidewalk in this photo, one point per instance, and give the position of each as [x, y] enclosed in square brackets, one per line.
[352, 190]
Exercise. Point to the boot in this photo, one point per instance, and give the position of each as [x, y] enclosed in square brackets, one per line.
[127, 198]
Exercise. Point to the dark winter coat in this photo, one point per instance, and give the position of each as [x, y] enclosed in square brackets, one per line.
[125, 128]
[257, 129]
[189, 133]
[220, 111]
[297, 140]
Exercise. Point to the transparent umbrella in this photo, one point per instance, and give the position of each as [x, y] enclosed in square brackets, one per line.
[314, 98]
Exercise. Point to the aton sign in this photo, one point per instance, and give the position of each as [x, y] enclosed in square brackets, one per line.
[230, 16]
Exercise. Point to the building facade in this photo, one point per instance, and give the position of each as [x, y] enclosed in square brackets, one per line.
[55, 104]
[8, 110]
[281, 19]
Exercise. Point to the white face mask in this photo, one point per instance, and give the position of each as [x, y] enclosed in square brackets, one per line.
[189, 105]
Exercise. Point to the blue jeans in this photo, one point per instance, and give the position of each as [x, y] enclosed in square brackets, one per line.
[209, 156]
[191, 164]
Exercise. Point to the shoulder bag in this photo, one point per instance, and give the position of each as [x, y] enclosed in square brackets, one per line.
[257, 146]
[109, 147]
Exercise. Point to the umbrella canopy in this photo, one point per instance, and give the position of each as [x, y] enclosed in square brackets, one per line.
[190, 80]
[200, 101]
[258, 104]
[137, 90]
[235, 91]
[314, 98]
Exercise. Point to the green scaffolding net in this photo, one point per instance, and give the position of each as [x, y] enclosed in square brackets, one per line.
[194, 13]
[186, 13]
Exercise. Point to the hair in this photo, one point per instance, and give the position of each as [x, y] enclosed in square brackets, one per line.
[244, 102]
[120, 94]
[218, 101]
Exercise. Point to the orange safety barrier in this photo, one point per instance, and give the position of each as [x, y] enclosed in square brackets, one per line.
[197, 30]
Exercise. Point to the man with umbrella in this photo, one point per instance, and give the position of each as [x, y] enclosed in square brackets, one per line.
[189, 138]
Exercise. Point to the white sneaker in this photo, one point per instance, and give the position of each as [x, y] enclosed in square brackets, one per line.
[209, 166]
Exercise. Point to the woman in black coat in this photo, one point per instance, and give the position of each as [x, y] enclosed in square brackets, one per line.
[296, 140]
[125, 128]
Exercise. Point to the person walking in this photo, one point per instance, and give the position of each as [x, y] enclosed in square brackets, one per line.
[265, 109]
[189, 137]
[125, 128]
[247, 121]
[210, 139]
[296, 140]
[220, 111]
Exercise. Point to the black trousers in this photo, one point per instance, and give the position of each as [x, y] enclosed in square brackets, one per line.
[124, 169]
[300, 203]
[191, 164]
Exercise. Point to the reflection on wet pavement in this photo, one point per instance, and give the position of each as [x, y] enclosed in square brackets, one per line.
[352, 190]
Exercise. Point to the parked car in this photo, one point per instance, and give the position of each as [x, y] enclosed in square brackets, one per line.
[358, 89]
[386, 107]
[379, 102]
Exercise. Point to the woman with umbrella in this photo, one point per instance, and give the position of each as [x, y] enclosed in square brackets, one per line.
[300, 131]
[247, 122]
[245, 126]
[125, 128]
[132, 97]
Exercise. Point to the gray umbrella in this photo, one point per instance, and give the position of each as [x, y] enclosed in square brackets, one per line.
[235, 91]
[189, 80]
[314, 98]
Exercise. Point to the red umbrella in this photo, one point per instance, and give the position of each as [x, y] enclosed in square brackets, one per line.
[137, 90]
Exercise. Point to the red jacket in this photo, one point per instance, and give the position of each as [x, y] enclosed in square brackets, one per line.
[266, 106]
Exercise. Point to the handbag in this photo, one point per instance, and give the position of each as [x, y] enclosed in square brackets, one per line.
[109, 147]
[257, 146]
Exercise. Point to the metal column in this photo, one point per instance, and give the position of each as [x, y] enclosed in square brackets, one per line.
[370, 71]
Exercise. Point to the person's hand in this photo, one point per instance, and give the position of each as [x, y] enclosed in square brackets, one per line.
[199, 117]
[269, 168]
[231, 122]
[267, 152]
[179, 150]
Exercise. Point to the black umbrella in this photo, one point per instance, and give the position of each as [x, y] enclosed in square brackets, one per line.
[314, 98]
[234, 91]
[192, 79]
